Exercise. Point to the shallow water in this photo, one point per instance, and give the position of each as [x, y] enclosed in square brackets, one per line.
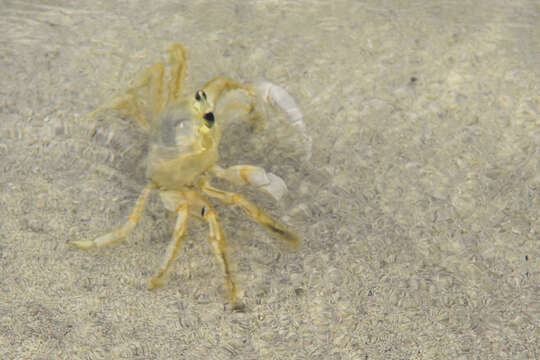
[418, 209]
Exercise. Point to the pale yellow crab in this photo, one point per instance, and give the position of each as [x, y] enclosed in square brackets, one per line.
[184, 137]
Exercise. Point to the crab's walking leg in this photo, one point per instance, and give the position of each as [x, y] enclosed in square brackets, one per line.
[253, 211]
[127, 105]
[153, 79]
[119, 234]
[127, 102]
[257, 176]
[160, 278]
[217, 239]
[177, 60]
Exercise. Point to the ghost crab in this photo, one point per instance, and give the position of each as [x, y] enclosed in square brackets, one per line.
[184, 136]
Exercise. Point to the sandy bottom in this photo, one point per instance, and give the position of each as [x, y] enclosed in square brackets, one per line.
[419, 208]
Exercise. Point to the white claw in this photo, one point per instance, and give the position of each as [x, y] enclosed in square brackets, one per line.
[277, 96]
[267, 182]
[275, 187]
[83, 244]
[256, 176]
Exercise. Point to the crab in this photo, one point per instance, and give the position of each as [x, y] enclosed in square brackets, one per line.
[184, 137]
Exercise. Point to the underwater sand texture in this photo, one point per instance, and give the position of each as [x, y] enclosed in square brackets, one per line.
[419, 208]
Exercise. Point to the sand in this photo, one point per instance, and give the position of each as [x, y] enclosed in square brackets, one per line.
[418, 210]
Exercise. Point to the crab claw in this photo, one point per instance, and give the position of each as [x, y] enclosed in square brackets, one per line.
[277, 96]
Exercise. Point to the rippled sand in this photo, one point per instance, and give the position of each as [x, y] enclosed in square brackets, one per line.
[419, 209]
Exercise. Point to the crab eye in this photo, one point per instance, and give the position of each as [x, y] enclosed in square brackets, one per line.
[209, 117]
[199, 95]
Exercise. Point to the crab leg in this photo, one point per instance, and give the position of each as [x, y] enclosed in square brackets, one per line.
[177, 60]
[153, 79]
[217, 239]
[127, 105]
[160, 278]
[253, 211]
[127, 102]
[119, 234]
